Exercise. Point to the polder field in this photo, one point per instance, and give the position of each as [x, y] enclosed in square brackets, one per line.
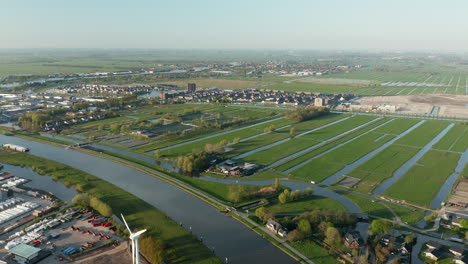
[367, 149]
[400, 158]
[383, 82]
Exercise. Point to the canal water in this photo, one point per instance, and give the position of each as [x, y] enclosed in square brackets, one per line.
[226, 235]
[42, 182]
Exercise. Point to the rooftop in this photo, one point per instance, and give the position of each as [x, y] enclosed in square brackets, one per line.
[24, 251]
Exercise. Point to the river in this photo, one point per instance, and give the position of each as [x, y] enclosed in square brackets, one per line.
[229, 237]
[42, 182]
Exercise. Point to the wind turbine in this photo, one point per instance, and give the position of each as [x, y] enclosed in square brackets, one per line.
[134, 237]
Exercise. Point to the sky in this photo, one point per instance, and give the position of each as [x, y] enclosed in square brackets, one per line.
[236, 24]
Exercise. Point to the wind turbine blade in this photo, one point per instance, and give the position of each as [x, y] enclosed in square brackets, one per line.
[126, 224]
[137, 234]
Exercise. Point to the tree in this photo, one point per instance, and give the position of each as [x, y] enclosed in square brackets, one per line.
[464, 223]
[332, 236]
[98, 205]
[282, 198]
[152, 249]
[276, 184]
[269, 129]
[381, 226]
[381, 253]
[261, 213]
[157, 153]
[304, 226]
[409, 239]
[81, 199]
[292, 131]
[295, 235]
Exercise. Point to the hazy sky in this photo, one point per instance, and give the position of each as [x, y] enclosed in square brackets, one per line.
[269, 24]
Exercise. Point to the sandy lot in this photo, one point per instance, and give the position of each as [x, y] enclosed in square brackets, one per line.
[450, 105]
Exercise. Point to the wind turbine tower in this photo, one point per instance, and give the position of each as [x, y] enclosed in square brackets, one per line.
[134, 238]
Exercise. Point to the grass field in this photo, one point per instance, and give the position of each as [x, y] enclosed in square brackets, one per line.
[205, 83]
[367, 206]
[422, 182]
[296, 144]
[314, 252]
[384, 164]
[182, 247]
[387, 132]
[455, 140]
[423, 134]
[312, 87]
[280, 134]
[309, 204]
[243, 133]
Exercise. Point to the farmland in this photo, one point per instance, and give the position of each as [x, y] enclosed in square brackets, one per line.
[369, 149]
[417, 186]
[390, 82]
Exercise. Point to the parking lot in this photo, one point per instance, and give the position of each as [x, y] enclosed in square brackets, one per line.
[71, 230]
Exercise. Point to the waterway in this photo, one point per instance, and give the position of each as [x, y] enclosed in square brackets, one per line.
[348, 204]
[215, 135]
[42, 182]
[348, 168]
[411, 162]
[447, 187]
[229, 237]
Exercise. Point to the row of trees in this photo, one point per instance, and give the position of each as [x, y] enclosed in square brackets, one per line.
[87, 200]
[193, 163]
[287, 196]
[307, 113]
[269, 129]
[34, 121]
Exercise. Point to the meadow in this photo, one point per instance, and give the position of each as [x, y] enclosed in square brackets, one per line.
[418, 184]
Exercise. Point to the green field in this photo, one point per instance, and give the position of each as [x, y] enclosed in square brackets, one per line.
[386, 132]
[280, 134]
[455, 140]
[384, 164]
[423, 134]
[297, 144]
[243, 133]
[313, 251]
[309, 204]
[422, 182]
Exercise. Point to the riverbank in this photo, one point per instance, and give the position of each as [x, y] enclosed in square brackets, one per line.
[181, 246]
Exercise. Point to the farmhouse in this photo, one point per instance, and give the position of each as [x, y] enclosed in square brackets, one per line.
[352, 240]
[230, 167]
[276, 228]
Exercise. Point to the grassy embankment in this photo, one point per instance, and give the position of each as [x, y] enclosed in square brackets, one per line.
[181, 246]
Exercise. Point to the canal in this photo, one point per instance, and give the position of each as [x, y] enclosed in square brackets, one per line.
[226, 235]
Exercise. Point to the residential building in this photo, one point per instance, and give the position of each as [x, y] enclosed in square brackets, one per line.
[434, 254]
[457, 250]
[191, 87]
[276, 228]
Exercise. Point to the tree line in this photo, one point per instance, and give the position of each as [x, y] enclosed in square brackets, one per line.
[307, 113]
